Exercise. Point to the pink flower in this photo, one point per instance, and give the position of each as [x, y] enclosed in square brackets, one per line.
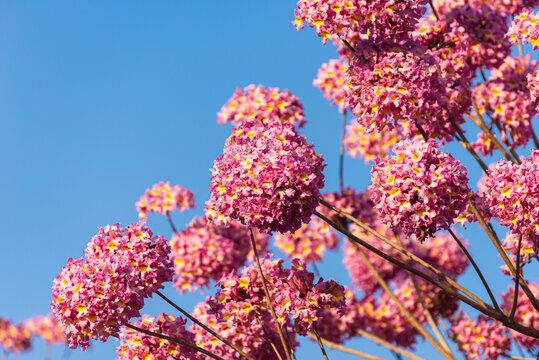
[47, 328]
[137, 345]
[525, 28]
[528, 249]
[370, 146]
[203, 252]
[420, 189]
[93, 298]
[331, 81]
[162, 198]
[267, 178]
[310, 242]
[511, 192]
[14, 338]
[480, 338]
[356, 204]
[264, 104]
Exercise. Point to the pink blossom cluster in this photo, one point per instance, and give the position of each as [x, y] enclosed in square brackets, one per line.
[92, 298]
[533, 88]
[310, 242]
[264, 104]
[293, 292]
[14, 338]
[511, 192]
[358, 205]
[137, 345]
[505, 7]
[331, 81]
[481, 338]
[205, 251]
[360, 142]
[47, 328]
[528, 249]
[397, 86]
[420, 189]
[248, 333]
[467, 216]
[525, 28]
[525, 314]
[163, 198]
[268, 178]
[376, 19]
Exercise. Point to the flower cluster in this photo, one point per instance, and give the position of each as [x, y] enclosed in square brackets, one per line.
[533, 87]
[266, 105]
[525, 314]
[377, 19]
[249, 333]
[528, 249]
[137, 345]
[369, 145]
[310, 242]
[330, 80]
[356, 204]
[268, 177]
[47, 328]
[14, 338]
[481, 338]
[420, 189]
[162, 198]
[294, 294]
[204, 251]
[511, 192]
[525, 28]
[505, 7]
[92, 298]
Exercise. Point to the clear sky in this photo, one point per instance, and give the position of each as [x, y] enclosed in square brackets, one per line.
[99, 100]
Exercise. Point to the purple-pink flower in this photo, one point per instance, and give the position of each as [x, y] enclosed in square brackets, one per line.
[14, 338]
[163, 198]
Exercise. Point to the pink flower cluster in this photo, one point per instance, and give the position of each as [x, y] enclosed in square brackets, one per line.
[14, 338]
[511, 192]
[293, 292]
[420, 189]
[266, 105]
[268, 178]
[47, 328]
[249, 333]
[205, 251]
[137, 345]
[481, 338]
[528, 249]
[162, 198]
[370, 146]
[525, 28]
[505, 7]
[92, 298]
[525, 314]
[375, 19]
[358, 205]
[310, 242]
[331, 81]
[533, 87]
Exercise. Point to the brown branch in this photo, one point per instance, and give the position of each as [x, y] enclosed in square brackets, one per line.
[515, 297]
[388, 345]
[336, 346]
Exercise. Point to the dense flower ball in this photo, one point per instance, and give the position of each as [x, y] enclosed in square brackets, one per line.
[204, 251]
[137, 345]
[512, 191]
[330, 80]
[310, 242]
[525, 27]
[92, 298]
[376, 19]
[248, 333]
[295, 296]
[162, 198]
[14, 338]
[268, 178]
[265, 104]
[47, 328]
[370, 146]
[525, 314]
[420, 189]
[481, 338]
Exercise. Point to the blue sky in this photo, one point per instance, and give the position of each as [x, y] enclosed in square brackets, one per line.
[100, 100]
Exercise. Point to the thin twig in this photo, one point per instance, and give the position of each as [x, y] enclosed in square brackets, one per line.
[515, 296]
[466, 144]
[268, 297]
[171, 223]
[268, 338]
[341, 152]
[469, 256]
[520, 51]
[434, 10]
[535, 140]
[388, 345]
[177, 341]
[336, 346]
[320, 343]
[422, 131]
[483, 75]
[196, 321]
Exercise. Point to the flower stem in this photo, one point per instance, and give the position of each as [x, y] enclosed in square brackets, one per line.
[388, 345]
[171, 223]
[336, 346]
[177, 341]
[515, 296]
[341, 152]
[268, 337]
[203, 326]
[320, 343]
[268, 297]
[466, 144]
